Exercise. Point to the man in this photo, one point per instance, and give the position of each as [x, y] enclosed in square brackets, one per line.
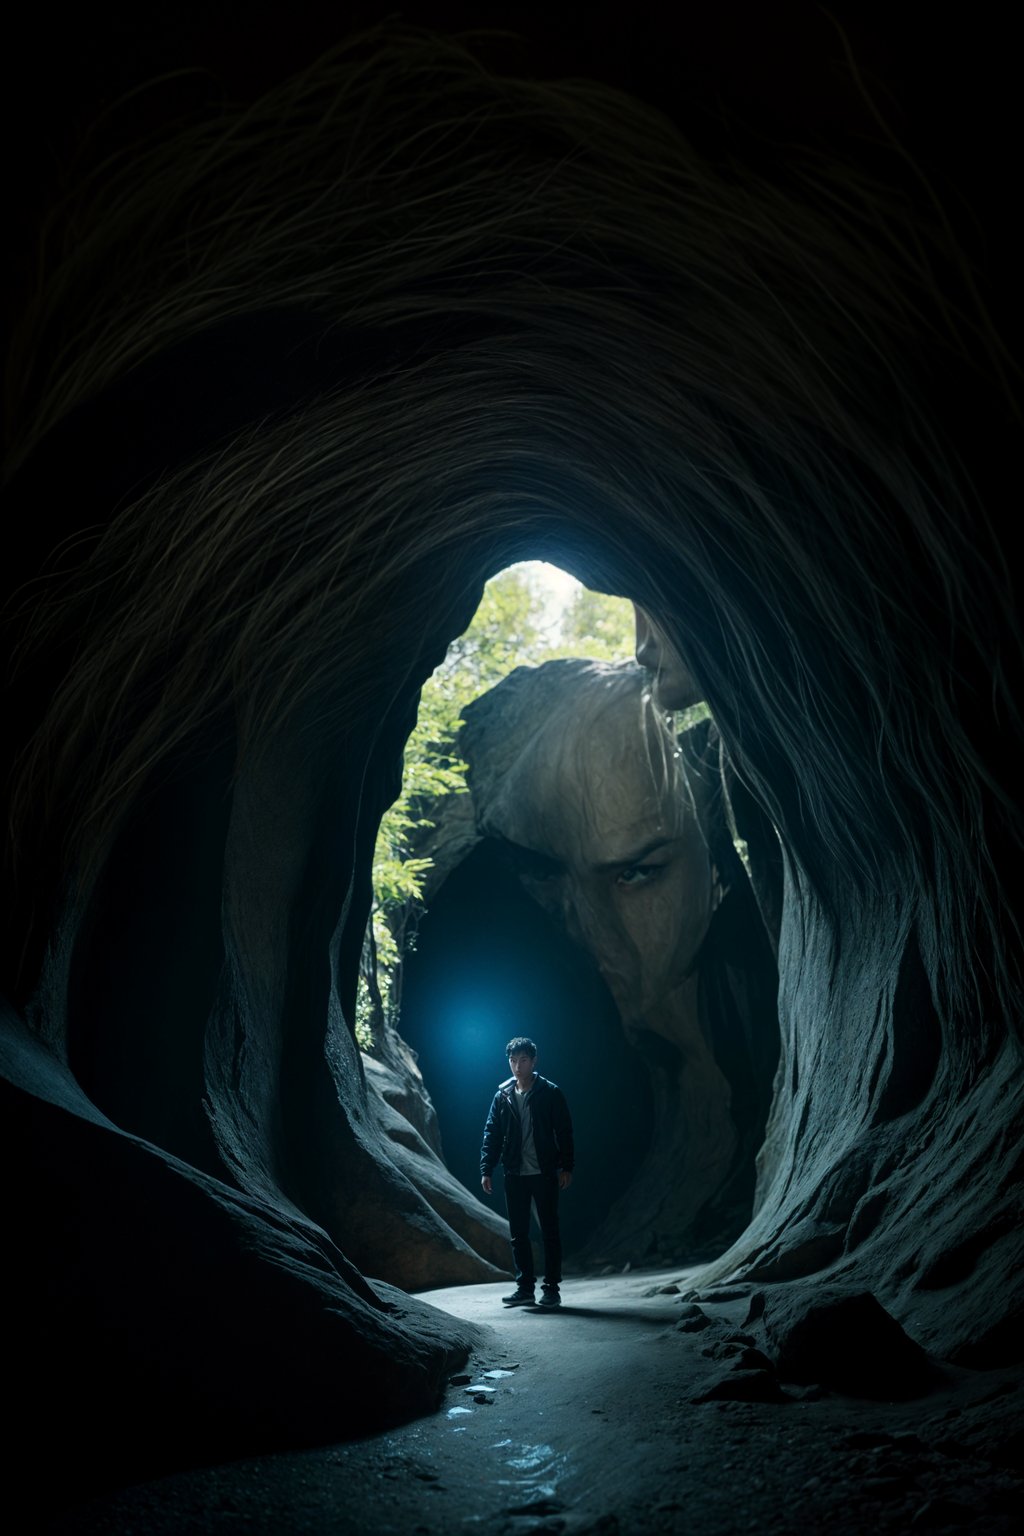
[529, 1130]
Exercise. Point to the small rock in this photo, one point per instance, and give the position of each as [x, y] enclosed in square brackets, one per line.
[753, 1360]
[482, 1397]
[460, 1380]
[694, 1320]
[743, 1387]
[867, 1439]
[721, 1349]
[496, 1375]
[755, 1311]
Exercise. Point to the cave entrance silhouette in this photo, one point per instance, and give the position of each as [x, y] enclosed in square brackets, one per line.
[485, 963]
[472, 958]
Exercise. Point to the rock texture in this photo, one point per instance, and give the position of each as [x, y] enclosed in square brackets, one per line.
[616, 1439]
[902, 1161]
[289, 387]
[164, 1312]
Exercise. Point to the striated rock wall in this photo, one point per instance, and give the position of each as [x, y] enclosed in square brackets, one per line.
[893, 1146]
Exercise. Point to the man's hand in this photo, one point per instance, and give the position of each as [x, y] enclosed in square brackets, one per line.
[564, 1179]
[485, 1184]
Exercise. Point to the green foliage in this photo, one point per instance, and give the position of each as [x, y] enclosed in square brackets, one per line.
[510, 629]
[598, 626]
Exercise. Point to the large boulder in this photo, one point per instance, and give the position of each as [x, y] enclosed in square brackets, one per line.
[842, 1339]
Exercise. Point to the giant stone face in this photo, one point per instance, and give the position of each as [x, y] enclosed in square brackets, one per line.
[593, 803]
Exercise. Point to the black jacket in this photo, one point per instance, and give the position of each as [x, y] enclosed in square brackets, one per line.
[552, 1130]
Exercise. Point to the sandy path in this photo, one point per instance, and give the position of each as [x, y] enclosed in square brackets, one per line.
[594, 1430]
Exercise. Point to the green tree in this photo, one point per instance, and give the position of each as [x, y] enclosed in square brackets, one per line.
[597, 626]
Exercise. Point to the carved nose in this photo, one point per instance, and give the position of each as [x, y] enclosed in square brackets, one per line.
[572, 921]
[647, 652]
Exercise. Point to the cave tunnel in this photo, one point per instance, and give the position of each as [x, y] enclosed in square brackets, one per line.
[285, 395]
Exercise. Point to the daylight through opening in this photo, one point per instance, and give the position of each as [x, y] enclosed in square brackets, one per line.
[560, 864]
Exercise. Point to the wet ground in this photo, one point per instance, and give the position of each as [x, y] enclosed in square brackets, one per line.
[607, 1419]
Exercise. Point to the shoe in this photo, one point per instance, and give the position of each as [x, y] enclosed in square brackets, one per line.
[519, 1298]
[550, 1296]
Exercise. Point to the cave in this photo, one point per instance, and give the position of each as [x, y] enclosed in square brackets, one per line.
[290, 384]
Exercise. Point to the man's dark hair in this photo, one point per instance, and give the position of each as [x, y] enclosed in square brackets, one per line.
[520, 1043]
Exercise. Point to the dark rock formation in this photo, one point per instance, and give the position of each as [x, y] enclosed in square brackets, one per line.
[288, 391]
[404, 1111]
[843, 1340]
[161, 1312]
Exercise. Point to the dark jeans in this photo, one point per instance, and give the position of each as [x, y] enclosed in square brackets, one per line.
[542, 1188]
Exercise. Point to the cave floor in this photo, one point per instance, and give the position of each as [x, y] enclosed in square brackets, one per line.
[594, 1429]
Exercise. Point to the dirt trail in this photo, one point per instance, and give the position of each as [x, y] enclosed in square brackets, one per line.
[591, 1427]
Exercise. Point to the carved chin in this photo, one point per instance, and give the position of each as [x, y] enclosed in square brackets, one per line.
[675, 689]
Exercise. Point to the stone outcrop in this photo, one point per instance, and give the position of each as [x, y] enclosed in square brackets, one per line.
[843, 1340]
[402, 1109]
[163, 1311]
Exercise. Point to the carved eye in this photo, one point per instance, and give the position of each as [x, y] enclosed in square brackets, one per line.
[638, 874]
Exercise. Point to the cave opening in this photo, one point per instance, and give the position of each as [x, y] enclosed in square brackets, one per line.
[469, 944]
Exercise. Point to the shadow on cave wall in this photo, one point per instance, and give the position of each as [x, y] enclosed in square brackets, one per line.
[488, 965]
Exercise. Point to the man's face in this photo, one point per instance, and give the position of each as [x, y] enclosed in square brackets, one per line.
[522, 1066]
